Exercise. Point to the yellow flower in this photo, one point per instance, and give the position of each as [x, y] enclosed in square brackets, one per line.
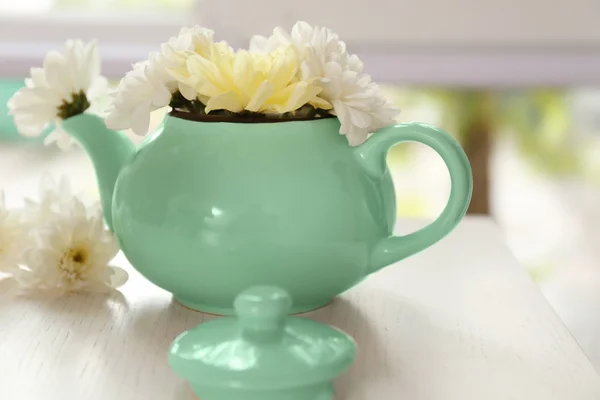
[262, 83]
[215, 52]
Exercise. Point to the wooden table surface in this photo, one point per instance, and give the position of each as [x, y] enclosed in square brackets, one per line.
[460, 321]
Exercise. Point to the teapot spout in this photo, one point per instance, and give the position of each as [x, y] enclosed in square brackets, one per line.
[109, 151]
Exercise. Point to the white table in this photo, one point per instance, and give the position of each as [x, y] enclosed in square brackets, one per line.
[461, 321]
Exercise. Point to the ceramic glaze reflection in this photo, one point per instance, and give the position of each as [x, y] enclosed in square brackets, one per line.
[234, 355]
[205, 210]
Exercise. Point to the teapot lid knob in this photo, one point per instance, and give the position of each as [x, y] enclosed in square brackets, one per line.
[262, 310]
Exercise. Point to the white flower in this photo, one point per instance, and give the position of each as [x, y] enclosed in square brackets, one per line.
[140, 92]
[63, 246]
[67, 85]
[264, 45]
[321, 46]
[71, 253]
[384, 112]
[13, 238]
[316, 46]
[149, 86]
[357, 102]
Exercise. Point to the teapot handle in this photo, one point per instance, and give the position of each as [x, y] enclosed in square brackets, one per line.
[372, 155]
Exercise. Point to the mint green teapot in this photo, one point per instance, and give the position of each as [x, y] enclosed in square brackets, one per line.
[205, 210]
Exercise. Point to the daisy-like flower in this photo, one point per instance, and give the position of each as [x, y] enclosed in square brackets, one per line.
[260, 83]
[356, 100]
[140, 92]
[13, 238]
[316, 46]
[149, 86]
[69, 84]
[175, 52]
[384, 112]
[71, 254]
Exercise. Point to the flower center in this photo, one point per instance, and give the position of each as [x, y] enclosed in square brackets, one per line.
[74, 263]
[79, 257]
[78, 104]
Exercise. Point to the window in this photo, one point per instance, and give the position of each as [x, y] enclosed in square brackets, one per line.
[126, 29]
[431, 42]
[43, 6]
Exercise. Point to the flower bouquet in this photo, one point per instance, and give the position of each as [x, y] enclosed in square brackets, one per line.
[305, 74]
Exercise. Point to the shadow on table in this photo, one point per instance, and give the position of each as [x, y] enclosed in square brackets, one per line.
[173, 319]
[183, 391]
[169, 317]
[68, 308]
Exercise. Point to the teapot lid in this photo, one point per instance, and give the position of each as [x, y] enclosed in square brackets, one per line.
[263, 348]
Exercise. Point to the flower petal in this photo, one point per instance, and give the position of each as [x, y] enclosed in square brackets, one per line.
[343, 114]
[187, 92]
[258, 44]
[118, 277]
[229, 101]
[264, 91]
[360, 119]
[161, 98]
[357, 136]
[140, 119]
[284, 69]
[242, 69]
[56, 73]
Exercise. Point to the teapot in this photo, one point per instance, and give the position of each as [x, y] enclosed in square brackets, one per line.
[206, 209]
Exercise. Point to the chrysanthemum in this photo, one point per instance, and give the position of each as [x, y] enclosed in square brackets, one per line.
[71, 254]
[13, 238]
[69, 84]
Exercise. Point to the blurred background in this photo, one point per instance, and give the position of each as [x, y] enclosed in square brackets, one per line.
[518, 83]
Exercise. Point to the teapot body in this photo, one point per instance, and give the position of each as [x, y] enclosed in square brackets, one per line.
[205, 210]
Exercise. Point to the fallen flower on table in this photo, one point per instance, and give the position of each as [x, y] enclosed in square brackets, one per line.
[72, 254]
[13, 235]
[68, 248]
